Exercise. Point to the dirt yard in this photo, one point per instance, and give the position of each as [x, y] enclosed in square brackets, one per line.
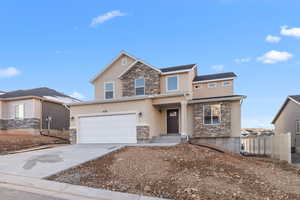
[12, 142]
[187, 172]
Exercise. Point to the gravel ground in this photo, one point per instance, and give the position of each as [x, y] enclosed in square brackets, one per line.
[186, 172]
[12, 142]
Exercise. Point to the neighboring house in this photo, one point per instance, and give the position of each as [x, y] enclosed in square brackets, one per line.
[256, 132]
[30, 111]
[135, 101]
[287, 120]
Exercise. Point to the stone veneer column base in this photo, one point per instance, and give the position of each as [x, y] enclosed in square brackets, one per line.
[232, 144]
[73, 136]
[143, 134]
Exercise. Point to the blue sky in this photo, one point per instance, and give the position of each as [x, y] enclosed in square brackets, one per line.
[62, 44]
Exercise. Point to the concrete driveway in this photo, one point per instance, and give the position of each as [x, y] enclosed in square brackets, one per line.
[43, 163]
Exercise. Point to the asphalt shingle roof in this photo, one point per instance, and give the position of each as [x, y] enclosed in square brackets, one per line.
[214, 76]
[177, 68]
[38, 92]
[218, 97]
[295, 97]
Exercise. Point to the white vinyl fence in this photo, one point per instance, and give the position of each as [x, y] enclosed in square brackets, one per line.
[278, 146]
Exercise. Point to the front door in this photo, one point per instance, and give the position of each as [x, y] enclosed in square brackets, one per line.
[172, 121]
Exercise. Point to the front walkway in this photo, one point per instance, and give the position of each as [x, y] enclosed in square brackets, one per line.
[43, 163]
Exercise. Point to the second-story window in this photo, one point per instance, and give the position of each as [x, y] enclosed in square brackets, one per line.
[139, 85]
[172, 83]
[109, 90]
[226, 83]
[124, 61]
[212, 85]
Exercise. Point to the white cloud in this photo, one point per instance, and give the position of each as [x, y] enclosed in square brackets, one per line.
[273, 39]
[294, 32]
[107, 16]
[77, 95]
[273, 57]
[9, 72]
[242, 60]
[218, 67]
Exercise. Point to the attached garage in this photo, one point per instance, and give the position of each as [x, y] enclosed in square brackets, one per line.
[115, 128]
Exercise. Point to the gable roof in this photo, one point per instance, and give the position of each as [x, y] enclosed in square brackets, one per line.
[115, 59]
[227, 75]
[178, 68]
[293, 98]
[42, 92]
[134, 63]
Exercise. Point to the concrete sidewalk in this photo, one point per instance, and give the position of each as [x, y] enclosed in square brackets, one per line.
[57, 191]
[11, 194]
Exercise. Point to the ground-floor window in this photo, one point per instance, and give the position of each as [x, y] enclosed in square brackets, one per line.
[19, 111]
[212, 114]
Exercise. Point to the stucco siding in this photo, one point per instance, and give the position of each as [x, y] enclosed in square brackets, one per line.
[149, 115]
[184, 84]
[112, 74]
[235, 119]
[286, 122]
[204, 91]
[8, 109]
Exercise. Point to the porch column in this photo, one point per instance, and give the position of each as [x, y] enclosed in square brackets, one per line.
[184, 118]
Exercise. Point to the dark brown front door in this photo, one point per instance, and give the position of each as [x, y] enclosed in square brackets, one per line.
[172, 121]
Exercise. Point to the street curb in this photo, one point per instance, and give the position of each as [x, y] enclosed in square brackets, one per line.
[64, 190]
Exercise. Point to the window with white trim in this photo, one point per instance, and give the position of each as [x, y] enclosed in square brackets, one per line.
[212, 85]
[199, 86]
[19, 111]
[226, 83]
[212, 114]
[172, 83]
[298, 127]
[109, 90]
[139, 85]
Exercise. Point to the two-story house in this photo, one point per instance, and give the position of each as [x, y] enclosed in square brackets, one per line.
[135, 101]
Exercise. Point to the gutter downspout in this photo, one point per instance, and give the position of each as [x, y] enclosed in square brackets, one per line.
[41, 117]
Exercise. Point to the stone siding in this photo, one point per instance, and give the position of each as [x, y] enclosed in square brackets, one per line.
[2, 124]
[151, 76]
[73, 136]
[219, 130]
[28, 123]
[143, 133]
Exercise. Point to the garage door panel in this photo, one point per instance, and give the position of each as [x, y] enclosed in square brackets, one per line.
[108, 129]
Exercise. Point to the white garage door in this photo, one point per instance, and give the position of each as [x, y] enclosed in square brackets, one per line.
[107, 129]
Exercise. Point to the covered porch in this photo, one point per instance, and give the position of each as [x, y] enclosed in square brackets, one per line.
[174, 117]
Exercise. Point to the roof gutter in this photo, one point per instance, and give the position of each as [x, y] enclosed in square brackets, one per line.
[124, 99]
[237, 98]
[213, 80]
